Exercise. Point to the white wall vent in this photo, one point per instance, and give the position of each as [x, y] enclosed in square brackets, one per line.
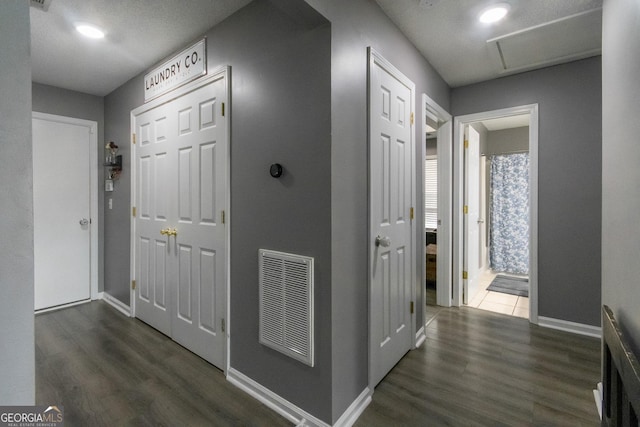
[41, 4]
[286, 304]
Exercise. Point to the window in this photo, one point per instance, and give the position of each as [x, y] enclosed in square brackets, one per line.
[431, 192]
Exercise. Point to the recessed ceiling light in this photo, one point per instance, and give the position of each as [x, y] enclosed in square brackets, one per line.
[90, 31]
[494, 13]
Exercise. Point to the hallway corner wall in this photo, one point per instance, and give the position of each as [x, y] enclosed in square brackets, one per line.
[620, 158]
[356, 25]
[17, 358]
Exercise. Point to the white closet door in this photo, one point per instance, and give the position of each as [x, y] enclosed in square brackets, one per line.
[181, 239]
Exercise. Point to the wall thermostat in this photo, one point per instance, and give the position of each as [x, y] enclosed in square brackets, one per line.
[276, 170]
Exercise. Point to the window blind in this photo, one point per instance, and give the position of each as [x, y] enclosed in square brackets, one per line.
[431, 192]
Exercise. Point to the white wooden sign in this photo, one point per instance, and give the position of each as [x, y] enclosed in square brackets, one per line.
[184, 67]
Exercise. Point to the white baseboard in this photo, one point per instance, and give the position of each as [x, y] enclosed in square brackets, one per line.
[282, 406]
[565, 325]
[597, 395]
[116, 303]
[421, 337]
[60, 307]
[291, 412]
[353, 412]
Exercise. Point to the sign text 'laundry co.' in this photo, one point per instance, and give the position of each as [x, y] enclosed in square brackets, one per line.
[182, 68]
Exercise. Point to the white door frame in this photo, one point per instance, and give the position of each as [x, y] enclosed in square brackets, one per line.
[213, 75]
[373, 57]
[94, 228]
[458, 170]
[445, 188]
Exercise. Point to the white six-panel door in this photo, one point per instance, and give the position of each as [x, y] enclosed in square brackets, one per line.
[181, 198]
[391, 252]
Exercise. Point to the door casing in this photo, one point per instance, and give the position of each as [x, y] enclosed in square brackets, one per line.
[458, 202]
[445, 189]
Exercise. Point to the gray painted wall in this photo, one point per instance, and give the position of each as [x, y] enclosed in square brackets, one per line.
[483, 133]
[299, 98]
[570, 155]
[17, 358]
[620, 163]
[432, 147]
[280, 56]
[355, 25]
[507, 141]
[63, 102]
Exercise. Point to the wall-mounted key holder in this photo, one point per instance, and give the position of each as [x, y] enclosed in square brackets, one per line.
[112, 164]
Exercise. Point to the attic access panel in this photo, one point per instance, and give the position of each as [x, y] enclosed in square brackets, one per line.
[566, 39]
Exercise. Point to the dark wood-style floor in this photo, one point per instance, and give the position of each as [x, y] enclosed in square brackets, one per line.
[110, 370]
[476, 368]
[479, 368]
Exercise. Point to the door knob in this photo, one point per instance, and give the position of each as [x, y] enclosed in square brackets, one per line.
[480, 221]
[83, 222]
[169, 232]
[383, 241]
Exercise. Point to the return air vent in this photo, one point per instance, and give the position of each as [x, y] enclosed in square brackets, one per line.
[41, 4]
[286, 304]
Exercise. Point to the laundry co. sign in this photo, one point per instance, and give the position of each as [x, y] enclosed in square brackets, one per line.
[184, 67]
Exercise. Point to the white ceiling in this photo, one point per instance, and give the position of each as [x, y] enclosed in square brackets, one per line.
[139, 32]
[447, 33]
[508, 122]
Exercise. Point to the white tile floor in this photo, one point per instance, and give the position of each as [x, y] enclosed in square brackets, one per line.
[497, 301]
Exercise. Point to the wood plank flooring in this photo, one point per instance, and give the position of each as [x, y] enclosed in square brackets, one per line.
[479, 368]
[476, 369]
[110, 370]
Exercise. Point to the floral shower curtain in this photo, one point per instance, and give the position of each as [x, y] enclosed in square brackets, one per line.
[509, 236]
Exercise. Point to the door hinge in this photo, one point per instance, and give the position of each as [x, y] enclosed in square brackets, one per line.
[133, 285]
[411, 118]
[466, 143]
[223, 109]
[465, 275]
[224, 326]
[411, 307]
[133, 138]
[133, 211]
[411, 213]
[465, 209]
[223, 217]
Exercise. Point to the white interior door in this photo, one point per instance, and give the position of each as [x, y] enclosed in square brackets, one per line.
[154, 253]
[201, 195]
[180, 237]
[61, 209]
[472, 220]
[391, 252]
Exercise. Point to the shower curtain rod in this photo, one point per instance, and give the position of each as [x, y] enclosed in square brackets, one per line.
[508, 152]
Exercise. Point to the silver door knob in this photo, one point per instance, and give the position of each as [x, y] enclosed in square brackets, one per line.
[84, 221]
[383, 241]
